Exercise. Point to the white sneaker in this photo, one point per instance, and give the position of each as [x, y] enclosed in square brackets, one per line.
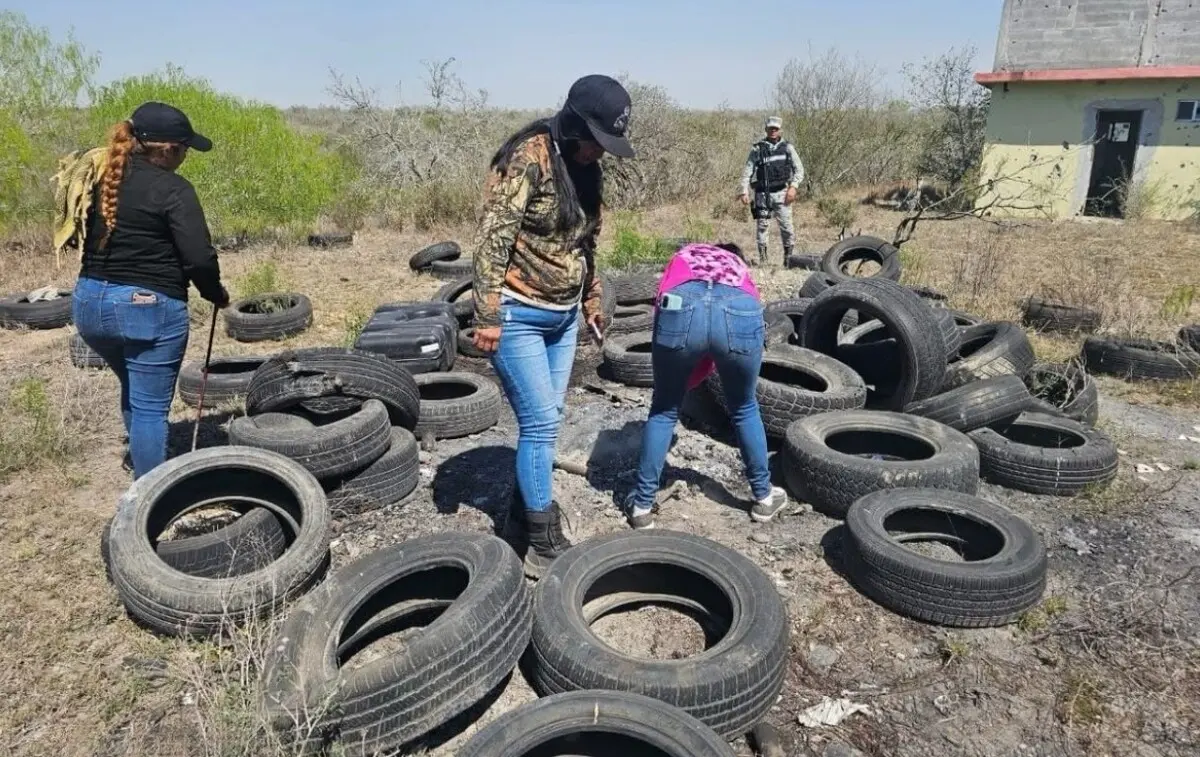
[765, 509]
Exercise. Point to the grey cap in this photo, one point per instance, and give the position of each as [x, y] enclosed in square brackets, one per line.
[774, 122]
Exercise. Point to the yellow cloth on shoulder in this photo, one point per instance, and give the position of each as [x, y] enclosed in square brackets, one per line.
[77, 175]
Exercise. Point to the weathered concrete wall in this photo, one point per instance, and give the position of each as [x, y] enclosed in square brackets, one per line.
[1057, 34]
[1037, 146]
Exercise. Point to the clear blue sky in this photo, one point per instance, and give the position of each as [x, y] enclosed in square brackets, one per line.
[524, 53]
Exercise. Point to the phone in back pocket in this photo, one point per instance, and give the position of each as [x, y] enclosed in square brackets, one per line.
[670, 301]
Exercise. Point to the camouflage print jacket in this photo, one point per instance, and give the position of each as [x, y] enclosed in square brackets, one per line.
[518, 252]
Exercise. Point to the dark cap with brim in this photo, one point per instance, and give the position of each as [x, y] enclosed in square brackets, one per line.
[604, 106]
[159, 122]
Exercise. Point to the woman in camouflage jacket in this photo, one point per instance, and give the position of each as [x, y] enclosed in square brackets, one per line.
[534, 270]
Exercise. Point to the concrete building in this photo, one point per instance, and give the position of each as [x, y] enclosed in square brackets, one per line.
[1095, 109]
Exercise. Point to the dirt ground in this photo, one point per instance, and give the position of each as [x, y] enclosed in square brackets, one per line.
[1108, 665]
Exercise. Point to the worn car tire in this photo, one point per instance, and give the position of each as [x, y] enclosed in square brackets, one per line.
[451, 269]
[426, 256]
[458, 404]
[268, 316]
[1045, 454]
[816, 283]
[331, 239]
[386, 481]
[729, 687]
[1140, 359]
[175, 603]
[842, 254]
[295, 376]
[633, 288]
[228, 380]
[459, 294]
[630, 319]
[794, 382]
[1190, 335]
[82, 355]
[16, 311]
[826, 463]
[1059, 317]
[978, 404]
[1064, 389]
[471, 587]
[628, 355]
[334, 449]
[596, 722]
[256, 539]
[921, 348]
[989, 350]
[1002, 575]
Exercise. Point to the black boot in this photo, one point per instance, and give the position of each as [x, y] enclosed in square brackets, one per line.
[546, 540]
[787, 253]
[515, 528]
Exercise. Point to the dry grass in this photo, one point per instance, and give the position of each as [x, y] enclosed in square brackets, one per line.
[83, 680]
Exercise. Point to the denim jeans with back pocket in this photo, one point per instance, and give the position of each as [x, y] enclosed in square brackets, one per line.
[726, 324]
[142, 335]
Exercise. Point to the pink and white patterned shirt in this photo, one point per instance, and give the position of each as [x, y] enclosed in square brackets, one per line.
[706, 263]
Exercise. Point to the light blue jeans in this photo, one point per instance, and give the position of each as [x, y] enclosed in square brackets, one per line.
[534, 361]
[726, 324]
[142, 335]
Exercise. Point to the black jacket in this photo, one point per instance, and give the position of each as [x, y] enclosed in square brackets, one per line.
[161, 240]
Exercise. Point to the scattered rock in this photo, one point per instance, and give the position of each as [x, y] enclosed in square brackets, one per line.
[821, 658]
[1143, 468]
[1071, 541]
[760, 537]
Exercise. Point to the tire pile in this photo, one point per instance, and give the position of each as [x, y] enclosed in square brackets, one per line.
[458, 600]
[890, 408]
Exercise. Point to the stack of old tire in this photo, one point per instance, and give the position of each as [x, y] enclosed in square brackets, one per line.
[481, 620]
[270, 316]
[890, 408]
[346, 416]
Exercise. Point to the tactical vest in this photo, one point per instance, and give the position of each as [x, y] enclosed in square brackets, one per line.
[774, 169]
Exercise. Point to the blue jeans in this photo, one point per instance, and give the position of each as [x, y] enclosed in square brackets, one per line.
[142, 339]
[534, 360]
[726, 324]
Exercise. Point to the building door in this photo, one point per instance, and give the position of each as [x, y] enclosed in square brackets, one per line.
[1117, 133]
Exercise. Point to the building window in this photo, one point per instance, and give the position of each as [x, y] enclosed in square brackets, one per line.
[1188, 110]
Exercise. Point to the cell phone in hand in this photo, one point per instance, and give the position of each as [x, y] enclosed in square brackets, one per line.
[595, 332]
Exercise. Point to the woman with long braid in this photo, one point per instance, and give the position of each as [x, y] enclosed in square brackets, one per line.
[146, 240]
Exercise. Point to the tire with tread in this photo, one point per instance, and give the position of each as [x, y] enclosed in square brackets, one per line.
[930, 455]
[426, 256]
[831, 385]
[474, 586]
[384, 482]
[978, 404]
[1140, 359]
[176, 603]
[586, 717]
[457, 404]
[628, 355]
[988, 350]
[246, 322]
[334, 449]
[1058, 317]
[862, 247]
[1074, 458]
[228, 380]
[921, 347]
[82, 355]
[16, 311]
[993, 586]
[292, 377]
[730, 687]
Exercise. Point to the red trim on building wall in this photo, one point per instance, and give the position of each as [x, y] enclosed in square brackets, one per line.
[1090, 74]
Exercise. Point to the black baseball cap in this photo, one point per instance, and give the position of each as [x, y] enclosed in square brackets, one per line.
[604, 105]
[159, 122]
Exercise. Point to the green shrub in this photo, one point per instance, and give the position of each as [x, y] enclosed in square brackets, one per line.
[261, 176]
[835, 212]
[41, 84]
[631, 247]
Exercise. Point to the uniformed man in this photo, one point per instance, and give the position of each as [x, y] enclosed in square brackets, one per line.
[774, 171]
